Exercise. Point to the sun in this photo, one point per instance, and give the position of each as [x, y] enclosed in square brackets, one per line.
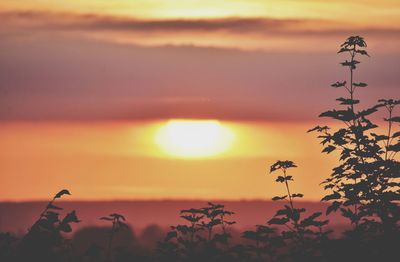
[194, 138]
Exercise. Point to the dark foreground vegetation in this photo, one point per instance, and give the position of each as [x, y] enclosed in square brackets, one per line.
[364, 187]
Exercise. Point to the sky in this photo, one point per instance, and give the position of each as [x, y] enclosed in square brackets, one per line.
[96, 95]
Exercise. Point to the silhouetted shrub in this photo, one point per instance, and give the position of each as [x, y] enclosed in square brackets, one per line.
[204, 238]
[45, 241]
[365, 184]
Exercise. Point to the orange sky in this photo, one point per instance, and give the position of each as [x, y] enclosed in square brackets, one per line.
[123, 160]
[87, 89]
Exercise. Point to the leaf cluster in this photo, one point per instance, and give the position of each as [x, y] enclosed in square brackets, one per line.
[117, 221]
[205, 232]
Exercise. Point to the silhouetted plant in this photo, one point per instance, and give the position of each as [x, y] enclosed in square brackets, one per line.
[199, 239]
[299, 233]
[49, 215]
[367, 178]
[117, 223]
[44, 241]
[216, 216]
[186, 237]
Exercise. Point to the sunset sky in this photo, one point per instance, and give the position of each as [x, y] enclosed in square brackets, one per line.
[191, 99]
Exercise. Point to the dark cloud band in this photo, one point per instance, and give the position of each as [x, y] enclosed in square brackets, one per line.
[234, 25]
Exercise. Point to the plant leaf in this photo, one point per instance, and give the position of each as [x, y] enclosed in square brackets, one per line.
[278, 221]
[61, 193]
[335, 195]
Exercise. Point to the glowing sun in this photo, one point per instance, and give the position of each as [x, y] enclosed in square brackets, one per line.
[194, 138]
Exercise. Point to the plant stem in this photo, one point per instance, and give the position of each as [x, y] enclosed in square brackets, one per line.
[288, 190]
[389, 133]
[353, 53]
[110, 240]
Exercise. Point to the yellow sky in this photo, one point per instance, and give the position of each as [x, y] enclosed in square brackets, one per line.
[355, 11]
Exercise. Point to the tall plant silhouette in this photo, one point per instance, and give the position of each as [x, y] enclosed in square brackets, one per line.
[117, 223]
[365, 184]
[299, 232]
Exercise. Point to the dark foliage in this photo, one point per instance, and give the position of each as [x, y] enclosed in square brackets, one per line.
[365, 185]
[45, 241]
[205, 237]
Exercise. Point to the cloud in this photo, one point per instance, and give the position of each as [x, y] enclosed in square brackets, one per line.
[281, 35]
[41, 20]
